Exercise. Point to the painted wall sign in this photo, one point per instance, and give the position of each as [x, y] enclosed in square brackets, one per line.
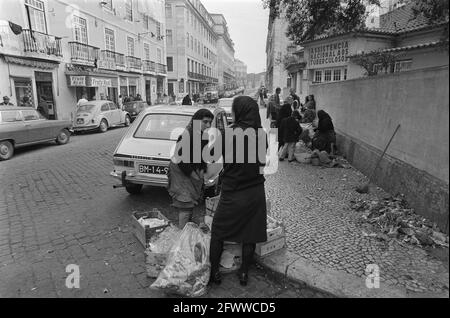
[100, 82]
[77, 80]
[329, 53]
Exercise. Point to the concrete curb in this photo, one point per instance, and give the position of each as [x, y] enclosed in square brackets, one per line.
[337, 283]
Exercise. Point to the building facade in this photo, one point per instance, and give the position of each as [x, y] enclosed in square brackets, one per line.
[240, 71]
[225, 53]
[56, 51]
[256, 80]
[276, 51]
[192, 57]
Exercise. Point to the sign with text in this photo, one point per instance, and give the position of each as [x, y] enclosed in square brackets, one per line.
[101, 82]
[107, 64]
[77, 80]
[329, 53]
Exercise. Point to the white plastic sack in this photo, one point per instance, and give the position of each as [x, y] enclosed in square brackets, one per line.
[188, 268]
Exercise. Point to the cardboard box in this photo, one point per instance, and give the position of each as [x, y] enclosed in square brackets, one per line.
[144, 234]
[264, 249]
[277, 232]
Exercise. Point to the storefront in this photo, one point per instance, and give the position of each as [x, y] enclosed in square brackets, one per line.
[30, 83]
[95, 87]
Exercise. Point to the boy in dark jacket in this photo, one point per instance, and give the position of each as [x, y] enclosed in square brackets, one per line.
[290, 131]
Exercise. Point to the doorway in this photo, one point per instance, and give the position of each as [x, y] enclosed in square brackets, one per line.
[112, 94]
[148, 92]
[44, 88]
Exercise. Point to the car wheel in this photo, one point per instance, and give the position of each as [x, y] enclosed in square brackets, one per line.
[6, 150]
[103, 126]
[127, 121]
[63, 137]
[134, 188]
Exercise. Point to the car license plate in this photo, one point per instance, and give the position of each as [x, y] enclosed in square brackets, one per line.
[150, 169]
[80, 121]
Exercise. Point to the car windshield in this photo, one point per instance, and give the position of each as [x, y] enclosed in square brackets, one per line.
[162, 126]
[86, 108]
[225, 103]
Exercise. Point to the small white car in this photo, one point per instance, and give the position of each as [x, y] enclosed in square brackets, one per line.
[100, 115]
[144, 153]
[226, 104]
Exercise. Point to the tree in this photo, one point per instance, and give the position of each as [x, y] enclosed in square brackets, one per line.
[310, 18]
[436, 12]
[374, 62]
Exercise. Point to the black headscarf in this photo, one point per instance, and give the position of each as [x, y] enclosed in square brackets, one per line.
[325, 121]
[188, 167]
[246, 112]
[285, 112]
[187, 100]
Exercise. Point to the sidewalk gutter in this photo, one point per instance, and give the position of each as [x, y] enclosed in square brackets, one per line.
[338, 283]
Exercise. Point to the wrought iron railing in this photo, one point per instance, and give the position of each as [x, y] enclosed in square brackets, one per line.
[134, 62]
[83, 54]
[161, 68]
[149, 66]
[38, 42]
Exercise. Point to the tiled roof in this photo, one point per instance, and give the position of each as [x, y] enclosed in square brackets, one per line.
[408, 48]
[402, 20]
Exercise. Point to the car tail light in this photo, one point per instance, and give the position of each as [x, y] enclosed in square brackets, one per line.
[123, 163]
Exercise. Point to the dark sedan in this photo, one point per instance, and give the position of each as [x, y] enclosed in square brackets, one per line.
[135, 108]
[23, 126]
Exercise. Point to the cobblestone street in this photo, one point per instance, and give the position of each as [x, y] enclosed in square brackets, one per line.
[58, 207]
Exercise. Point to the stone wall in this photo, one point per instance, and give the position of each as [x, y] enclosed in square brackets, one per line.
[367, 111]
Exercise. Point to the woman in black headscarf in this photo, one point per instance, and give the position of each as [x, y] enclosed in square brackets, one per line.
[186, 177]
[186, 100]
[325, 136]
[241, 214]
[285, 112]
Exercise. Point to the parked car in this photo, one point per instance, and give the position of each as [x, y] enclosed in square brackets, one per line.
[144, 153]
[100, 115]
[23, 126]
[211, 97]
[135, 108]
[226, 104]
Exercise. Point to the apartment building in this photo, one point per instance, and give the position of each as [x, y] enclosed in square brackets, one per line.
[192, 46]
[240, 70]
[57, 50]
[225, 52]
[276, 50]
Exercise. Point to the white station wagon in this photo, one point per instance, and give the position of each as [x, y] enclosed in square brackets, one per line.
[144, 153]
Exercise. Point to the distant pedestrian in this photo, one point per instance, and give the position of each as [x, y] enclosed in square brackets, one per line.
[82, 100]
[296, 104]
[120, 102]
[290, 131]
[6, 102]
[187, 100]
[43, 107]
[285, 112]
[26, 102]
[274, 107]
[138, 97]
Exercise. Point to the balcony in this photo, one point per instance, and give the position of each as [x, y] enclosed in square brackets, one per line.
[111, 60]
[83, 54]
[161, 68]
[41, 43]
[149, 66]
[134, 63]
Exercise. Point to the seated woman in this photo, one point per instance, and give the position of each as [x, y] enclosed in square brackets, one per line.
[325, 137]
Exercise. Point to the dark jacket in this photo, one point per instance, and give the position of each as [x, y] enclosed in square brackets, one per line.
[241, 175]
[290, 130]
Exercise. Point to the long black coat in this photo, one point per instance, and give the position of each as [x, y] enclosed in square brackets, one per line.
[241, 215]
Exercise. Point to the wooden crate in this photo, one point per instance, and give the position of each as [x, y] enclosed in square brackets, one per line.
[264, 249]
[277, 232]
[144, 234]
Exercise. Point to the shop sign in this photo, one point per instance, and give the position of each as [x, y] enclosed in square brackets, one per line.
[329, 53]
[77, 80]
[100, 82]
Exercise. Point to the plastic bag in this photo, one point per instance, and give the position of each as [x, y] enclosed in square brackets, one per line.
[188, 268]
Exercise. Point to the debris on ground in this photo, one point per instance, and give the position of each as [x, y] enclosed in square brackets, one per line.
[391, 218]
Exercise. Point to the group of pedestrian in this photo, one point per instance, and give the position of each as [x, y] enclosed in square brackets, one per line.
[241, 214]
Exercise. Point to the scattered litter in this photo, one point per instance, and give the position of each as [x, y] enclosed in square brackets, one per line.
[34, 288]
[391, 218]
[153, 222]
[50, 251]
[105, 291]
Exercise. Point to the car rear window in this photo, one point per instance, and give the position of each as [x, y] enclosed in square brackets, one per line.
[86, 108]
[10, 116]
[162, 126]
[225, 103]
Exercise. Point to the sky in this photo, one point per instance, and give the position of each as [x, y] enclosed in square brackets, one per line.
[247, 23]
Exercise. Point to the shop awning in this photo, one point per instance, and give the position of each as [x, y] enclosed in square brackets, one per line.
[30, 63]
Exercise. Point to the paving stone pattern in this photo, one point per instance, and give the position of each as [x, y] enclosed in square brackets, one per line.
[58, 207]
